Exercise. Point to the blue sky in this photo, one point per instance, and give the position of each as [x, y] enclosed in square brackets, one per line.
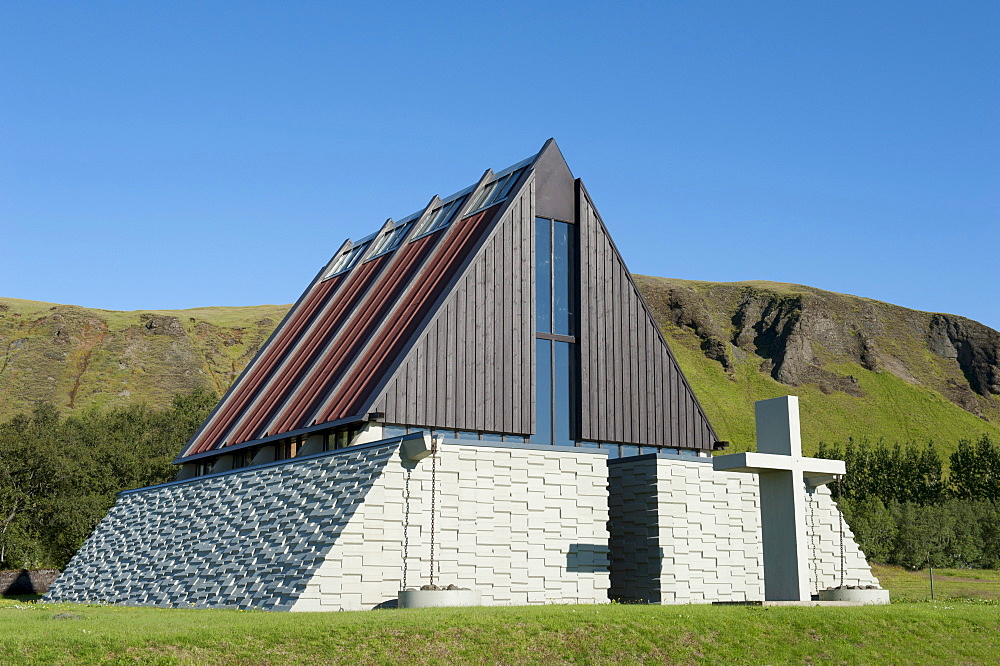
[173, 155]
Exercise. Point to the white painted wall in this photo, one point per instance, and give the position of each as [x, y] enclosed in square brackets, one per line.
[521, 526]
[704, 543]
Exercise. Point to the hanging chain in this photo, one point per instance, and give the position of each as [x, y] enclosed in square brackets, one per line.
[406, 525]
[843, 565]
[813, 535]
[433, 501]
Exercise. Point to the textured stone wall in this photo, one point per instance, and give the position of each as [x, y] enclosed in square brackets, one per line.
[521, 526]
[24, 581]
[684, 533]
[246, 539]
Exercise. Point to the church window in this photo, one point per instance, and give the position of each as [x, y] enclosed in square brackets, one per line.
[496, 191]
[243, 457]
[555, 272]
[563, 271]
[440, 217]
[391, 239]
[393, 431]
[283, 450]
[347, 259]
[543, 275]
[555, 348]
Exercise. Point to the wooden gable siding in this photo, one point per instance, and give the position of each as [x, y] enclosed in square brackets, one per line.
[631, 388]
[473, 366]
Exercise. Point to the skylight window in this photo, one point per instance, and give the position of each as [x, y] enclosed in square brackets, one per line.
[347, 259]
[441, 216]
[391, 239]
[497, 190]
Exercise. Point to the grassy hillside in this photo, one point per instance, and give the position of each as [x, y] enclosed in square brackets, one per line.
[862, 368]
[890, 408]
[76, 357]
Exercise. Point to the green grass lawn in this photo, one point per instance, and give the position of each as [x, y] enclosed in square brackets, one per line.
[913, 633]
[905, 585]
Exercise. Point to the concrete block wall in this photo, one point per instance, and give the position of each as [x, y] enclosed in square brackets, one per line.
[250, 538]
[684, 533]
[520, 525]
[824, 529]
[328, 532]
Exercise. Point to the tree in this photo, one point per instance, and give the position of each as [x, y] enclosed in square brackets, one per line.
[59, 477]
[873, 526]
[28, 458]
[975, 470]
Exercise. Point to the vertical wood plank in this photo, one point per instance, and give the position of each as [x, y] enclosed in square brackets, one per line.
[461, 362]
[616, 343]
[516, 297]
[506, 406]
[481, 345]
[589, 314]
[528, 313]
[489, 336]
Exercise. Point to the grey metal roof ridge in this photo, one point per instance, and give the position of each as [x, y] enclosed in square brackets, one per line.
[451, 197]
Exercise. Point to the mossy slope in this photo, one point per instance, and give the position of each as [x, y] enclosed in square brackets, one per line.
[76, 357]
[862, 368]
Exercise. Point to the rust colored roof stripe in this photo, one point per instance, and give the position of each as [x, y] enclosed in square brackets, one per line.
[354, 392]
[320, 352]
[370, 316]
[357, 282]
[260, 373]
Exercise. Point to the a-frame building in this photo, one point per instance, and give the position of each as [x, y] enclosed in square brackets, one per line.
[503, 310]
[499, 327]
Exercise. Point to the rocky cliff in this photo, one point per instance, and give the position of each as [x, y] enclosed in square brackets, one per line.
[861, 367]
[804, 340]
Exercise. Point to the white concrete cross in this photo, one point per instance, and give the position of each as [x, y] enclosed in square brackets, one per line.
[784, 474]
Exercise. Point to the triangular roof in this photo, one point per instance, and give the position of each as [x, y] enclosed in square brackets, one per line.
[429, 322]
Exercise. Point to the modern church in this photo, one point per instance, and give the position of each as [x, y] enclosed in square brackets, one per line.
[475, 395]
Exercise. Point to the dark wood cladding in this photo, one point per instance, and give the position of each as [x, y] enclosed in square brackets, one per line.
[351, 396]
[473, 366]
[632, 390]
[329, 356]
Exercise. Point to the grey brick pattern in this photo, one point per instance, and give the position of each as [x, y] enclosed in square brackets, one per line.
[521, 526]
[247, 539]
[684, 533]
[824, 520]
